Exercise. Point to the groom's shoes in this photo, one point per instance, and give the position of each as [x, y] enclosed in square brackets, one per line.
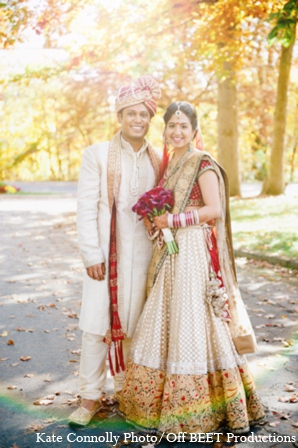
[82, 416]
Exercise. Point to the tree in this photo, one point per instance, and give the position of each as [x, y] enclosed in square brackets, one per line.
[285, 32]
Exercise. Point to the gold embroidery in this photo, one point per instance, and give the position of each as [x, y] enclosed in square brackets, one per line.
[191, 403]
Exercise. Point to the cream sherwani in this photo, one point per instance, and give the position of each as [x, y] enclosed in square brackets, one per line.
[134, 250]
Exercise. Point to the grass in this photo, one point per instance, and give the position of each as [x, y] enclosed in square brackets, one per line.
[268, 224]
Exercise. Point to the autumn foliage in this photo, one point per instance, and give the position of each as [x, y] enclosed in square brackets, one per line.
[54, 105]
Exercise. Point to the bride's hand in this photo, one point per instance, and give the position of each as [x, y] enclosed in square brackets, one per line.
[161, 222]
[148, 224]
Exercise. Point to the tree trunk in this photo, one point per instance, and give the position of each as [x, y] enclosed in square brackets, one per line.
[228, 129]
[276, 183]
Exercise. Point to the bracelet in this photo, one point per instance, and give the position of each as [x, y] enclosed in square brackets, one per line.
[196, 216]
[170, 220]
[183, 220]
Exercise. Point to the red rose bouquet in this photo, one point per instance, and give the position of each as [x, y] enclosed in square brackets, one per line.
[154, 203]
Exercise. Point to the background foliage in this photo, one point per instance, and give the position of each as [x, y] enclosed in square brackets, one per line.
[61, 100]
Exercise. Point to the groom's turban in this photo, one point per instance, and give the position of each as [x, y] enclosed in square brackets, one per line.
[142, 90]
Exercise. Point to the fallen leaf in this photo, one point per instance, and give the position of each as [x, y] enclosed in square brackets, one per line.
[274, 424]
[50, 420]
[28, 375]
[41, 307]
[289, 388]
[278, 339]
[4, 334]
[58, 392]
[12, 387]
[269, 316]
[76, 352]
[21, 329]
[10, 342]
[51, 305]
[25, 358]
[260, 326]
[35, 427]
[73, 360]
[295, 424]
[69, 402]
[31, 330]
[281, 415]
[284, 399]
[43, 402]
[47, 380]
[14, 364]
[46, 331]
[294, 399]
[266, 339]
[3, 359]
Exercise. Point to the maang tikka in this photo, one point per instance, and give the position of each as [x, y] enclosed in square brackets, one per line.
[178, 111]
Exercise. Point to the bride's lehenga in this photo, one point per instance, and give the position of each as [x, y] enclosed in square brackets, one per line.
[184, 373]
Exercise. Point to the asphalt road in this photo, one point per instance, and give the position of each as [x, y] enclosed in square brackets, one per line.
[247, 189]
[41, 282]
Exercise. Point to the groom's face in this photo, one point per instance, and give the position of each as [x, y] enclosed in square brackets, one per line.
[135, 122]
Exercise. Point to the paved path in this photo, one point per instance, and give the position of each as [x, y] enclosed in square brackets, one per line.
[41, 280]
[248, 189]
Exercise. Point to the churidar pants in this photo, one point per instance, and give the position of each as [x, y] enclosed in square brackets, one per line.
[93, 370]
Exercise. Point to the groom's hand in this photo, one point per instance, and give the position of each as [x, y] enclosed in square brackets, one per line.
[97, 271]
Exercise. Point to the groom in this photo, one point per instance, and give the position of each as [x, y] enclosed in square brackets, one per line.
[113, 243]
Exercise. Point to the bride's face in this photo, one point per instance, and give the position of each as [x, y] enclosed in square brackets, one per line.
[179, 132]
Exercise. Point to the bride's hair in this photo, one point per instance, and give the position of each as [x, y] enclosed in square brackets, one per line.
[185, 108]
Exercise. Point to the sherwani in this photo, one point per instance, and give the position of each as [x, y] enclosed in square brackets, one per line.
[134, 249]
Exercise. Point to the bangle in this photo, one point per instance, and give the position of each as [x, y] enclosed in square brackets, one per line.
[182, 219]
[170, 220]
[196, 216]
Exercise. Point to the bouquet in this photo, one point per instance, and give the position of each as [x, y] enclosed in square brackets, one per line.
[154, 203]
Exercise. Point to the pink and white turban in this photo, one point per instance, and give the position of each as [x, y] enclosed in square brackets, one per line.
[142, 90]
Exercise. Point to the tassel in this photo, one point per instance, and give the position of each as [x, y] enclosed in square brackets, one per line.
[121, 357]
[116, 357]
[116, 322]
[110, 362]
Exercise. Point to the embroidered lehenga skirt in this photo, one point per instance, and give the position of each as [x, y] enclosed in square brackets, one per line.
[184, 373]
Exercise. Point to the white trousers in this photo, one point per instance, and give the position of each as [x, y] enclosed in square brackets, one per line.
[93, 371]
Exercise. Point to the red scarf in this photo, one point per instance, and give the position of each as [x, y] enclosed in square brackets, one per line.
[115, 334]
